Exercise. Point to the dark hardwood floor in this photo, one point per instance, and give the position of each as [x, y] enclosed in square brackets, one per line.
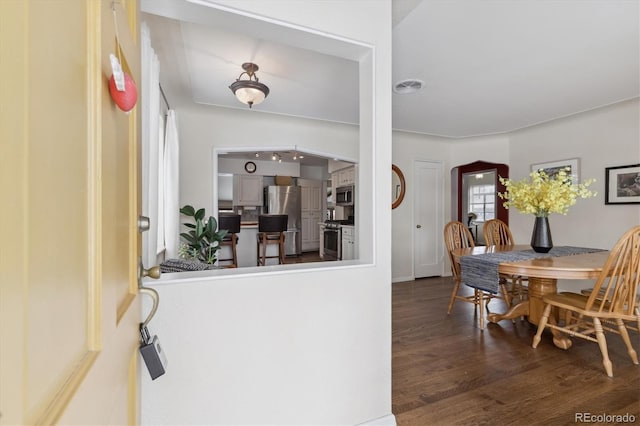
[447, 372]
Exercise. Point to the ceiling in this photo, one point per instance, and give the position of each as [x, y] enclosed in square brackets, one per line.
[488, 67]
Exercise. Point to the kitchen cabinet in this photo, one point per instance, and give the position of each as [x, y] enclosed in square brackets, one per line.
[321, 230]
[348, 242]
[311, 193]
[310, 231]
[311, 196]
[344, 177]
[246, 247]
[247, 190]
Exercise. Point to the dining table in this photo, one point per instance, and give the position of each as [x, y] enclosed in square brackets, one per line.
[543, 274]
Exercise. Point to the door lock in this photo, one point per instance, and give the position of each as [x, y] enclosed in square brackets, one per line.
[143, 223]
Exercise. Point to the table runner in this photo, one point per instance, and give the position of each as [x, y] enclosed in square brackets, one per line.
[481, 271]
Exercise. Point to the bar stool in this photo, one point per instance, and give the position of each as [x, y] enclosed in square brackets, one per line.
[230, 222]
[271, 231]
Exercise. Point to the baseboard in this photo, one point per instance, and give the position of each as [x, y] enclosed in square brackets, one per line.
[402, 279]
[388, 420]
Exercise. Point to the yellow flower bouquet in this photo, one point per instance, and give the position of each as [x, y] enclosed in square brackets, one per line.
[542, 194]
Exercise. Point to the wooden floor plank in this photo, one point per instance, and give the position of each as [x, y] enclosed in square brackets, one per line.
[448, 372]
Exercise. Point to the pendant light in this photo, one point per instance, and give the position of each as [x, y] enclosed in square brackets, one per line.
[249, 91]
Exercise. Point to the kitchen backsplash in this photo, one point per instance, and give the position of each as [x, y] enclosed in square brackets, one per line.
[248, 215]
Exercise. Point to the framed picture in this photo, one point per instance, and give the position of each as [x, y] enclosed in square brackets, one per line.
[622, 184]
[552, 168]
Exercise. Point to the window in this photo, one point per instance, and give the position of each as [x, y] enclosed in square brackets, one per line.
[482, 201]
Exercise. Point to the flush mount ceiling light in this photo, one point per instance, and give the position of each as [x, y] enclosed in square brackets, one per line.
[405, 87]
[249, 91]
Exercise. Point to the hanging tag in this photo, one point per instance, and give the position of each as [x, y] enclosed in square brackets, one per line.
[118, 75]
[152, 354]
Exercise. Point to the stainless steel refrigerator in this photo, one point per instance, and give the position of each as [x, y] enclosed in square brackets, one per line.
[287, 200]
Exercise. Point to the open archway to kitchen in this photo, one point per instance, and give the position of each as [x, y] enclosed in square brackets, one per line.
[316, 190]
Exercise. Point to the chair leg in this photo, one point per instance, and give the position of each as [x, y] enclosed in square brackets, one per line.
[282, 255]
[541, 325]
[262, 245]
[602, 343]
[258, 250]
[625, 336]
[454, 293]
[233, 250]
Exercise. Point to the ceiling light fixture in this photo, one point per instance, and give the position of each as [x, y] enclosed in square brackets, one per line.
[250, 91]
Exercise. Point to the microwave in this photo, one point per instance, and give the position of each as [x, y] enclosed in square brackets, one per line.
[345, 195]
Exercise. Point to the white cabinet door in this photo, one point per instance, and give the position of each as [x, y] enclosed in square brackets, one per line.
[349, 176]
[348, 243]
[311, 231]
[246, 248]
[315, 197]
[311, 205]
[321, 231]
[344, 177]
[310, 194]
[247, 190]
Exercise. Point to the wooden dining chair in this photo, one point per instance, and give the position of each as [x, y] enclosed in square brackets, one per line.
[457, 235]
[611, 304]
[497, 233]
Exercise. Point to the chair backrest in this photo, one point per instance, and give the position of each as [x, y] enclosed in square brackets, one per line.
[616, 289]
[230, 222]
[272, 222]
[497, 233]
[456, 235]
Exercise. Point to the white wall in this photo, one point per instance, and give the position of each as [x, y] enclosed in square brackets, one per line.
[295, 346]
[205, 128]
[604, 137]
[407, 148]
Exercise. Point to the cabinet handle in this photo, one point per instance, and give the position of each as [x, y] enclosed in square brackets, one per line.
[418, 226]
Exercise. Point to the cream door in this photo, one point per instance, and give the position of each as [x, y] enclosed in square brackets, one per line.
[68, 244]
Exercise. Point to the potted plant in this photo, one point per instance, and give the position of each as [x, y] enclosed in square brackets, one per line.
[202, 242]
[542, 195]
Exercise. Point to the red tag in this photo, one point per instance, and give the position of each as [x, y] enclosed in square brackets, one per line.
[126, 99]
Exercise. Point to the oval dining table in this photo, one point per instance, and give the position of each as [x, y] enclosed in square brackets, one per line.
[543, 274]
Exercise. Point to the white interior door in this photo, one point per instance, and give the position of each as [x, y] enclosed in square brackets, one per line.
[428, 218]
[69, 314]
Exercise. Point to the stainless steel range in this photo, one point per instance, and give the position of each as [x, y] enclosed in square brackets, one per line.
[333, 238]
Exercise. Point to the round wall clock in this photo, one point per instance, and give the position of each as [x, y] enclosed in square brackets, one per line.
[250, 166]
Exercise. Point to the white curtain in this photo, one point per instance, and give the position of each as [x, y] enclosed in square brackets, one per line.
[150, 102]
[160, 228]
[171, 187]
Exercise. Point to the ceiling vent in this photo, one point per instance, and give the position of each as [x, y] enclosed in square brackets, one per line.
[405, 87]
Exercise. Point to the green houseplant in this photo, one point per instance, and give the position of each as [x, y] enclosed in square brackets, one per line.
[202, 242]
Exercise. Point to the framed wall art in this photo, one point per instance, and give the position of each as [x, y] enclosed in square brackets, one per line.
[622, 184]
[552, 168]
